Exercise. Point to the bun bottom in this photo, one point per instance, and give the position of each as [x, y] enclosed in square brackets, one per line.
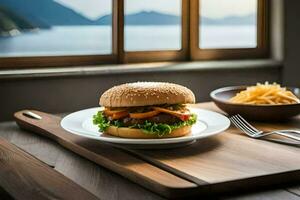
[139, 134]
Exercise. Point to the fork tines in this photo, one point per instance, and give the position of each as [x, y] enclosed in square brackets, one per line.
[242, 124]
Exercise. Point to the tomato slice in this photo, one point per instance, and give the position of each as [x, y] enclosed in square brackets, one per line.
[182, 116]
[144, 115]
[185, 117]
[109, 112]
[119, 115]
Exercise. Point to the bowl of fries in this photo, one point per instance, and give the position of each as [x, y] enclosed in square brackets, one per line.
[261, 102]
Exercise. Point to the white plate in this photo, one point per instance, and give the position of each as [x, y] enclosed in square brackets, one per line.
[209, 123]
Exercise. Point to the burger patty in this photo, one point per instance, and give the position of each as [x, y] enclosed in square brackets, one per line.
[160, 118]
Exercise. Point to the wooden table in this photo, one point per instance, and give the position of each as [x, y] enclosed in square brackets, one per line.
[101, 182]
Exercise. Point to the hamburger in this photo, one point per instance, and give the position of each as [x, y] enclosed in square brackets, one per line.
[146, 110]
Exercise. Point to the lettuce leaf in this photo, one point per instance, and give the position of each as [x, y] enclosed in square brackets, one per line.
[147, 127]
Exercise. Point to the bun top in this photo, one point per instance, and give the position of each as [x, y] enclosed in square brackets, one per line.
[146, 94]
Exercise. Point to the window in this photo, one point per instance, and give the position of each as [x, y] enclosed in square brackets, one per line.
[55, 32]
[74, 32]
[155, 30]
[60, 27]
[227, 24]
[152, 25]
[228, 29]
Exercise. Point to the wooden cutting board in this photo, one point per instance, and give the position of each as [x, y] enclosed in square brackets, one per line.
[227, 162]
[22, 176]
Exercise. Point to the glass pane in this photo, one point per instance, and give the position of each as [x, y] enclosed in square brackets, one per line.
[228, 24]
[55, 27]
[152, 25]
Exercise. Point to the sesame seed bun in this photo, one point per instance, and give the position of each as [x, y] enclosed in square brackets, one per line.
[145, 94]
[139, 134]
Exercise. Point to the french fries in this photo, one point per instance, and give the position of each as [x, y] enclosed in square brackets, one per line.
[265, 94]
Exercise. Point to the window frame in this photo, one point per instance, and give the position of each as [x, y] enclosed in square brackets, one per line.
[189, 44]
[69, 60]
[163, 55]
[260, 51]
[55, 61]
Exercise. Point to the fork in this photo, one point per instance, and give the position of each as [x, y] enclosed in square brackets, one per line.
[253, 132]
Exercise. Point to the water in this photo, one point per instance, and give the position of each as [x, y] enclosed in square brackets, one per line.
[149, 38]
[64, 40]
[89, 40]
[228, 37]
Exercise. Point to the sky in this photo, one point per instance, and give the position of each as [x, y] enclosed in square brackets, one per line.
[94, 9]
[223, 8]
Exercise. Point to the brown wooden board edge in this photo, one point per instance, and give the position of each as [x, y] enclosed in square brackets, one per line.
[242, 185]
[26, 123]
[247, 185]
[167, 168]
[33, 179]
[253, 184]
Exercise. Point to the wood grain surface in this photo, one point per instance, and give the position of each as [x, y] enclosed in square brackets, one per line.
[103, 183]
[211, 146]
[25, 177]
[119, 161]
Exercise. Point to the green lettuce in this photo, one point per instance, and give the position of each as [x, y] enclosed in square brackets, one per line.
[147, 127]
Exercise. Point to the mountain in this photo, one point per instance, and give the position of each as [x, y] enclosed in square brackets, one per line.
[230, 20]
[151, 18]
[12, 24]
[7, 25]
[11, 19]
[143, 18]
[45, 12]
[156, 18]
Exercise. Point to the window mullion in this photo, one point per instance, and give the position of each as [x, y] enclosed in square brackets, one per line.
[118, 30]
[194, 28]
[185, 28]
